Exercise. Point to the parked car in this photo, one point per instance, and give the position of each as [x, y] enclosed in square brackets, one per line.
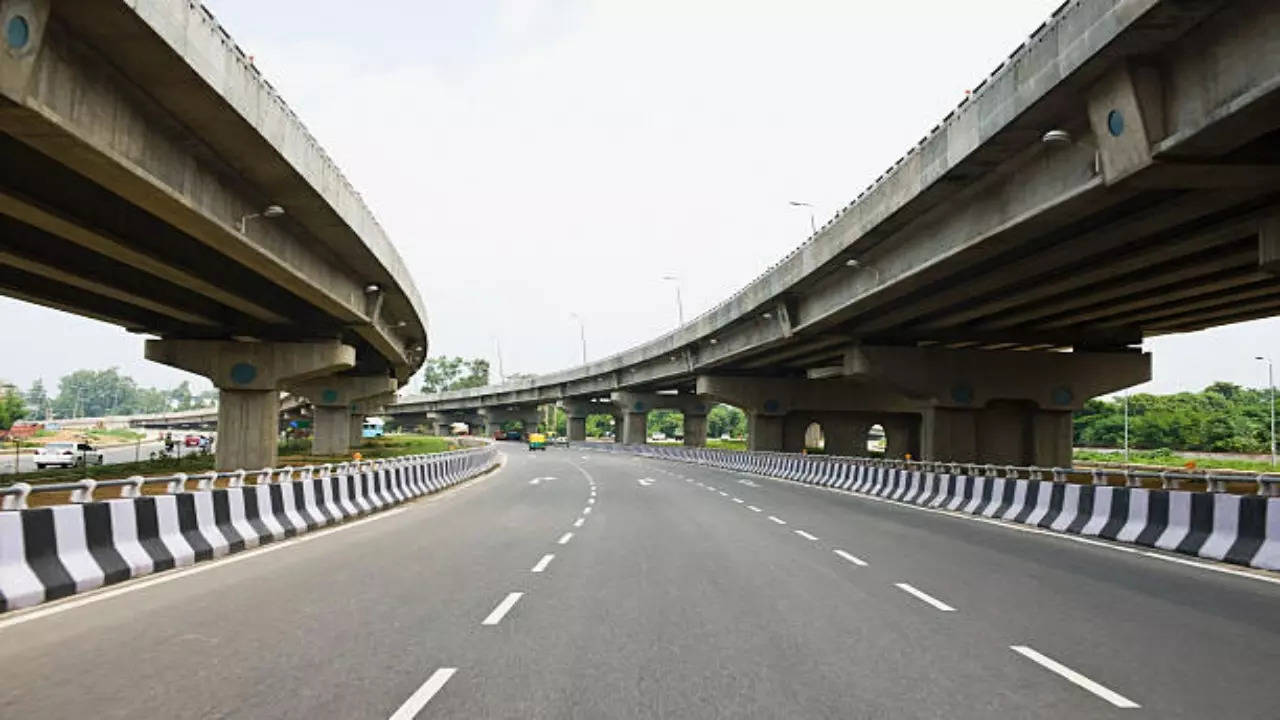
[191, 441]
[67, 454]
[559, 440]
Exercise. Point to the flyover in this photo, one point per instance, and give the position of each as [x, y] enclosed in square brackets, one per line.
[153, 179]
[1115, 178]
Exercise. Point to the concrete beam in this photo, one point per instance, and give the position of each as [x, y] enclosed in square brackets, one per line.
[249, 377]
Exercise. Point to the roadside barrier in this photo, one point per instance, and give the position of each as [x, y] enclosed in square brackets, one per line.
[52, 552]
[1213, 524]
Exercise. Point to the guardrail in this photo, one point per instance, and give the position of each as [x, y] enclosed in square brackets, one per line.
[1214, 523]
[55, 551]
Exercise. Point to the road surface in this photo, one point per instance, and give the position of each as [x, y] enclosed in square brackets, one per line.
[110, 456]
[577, 584]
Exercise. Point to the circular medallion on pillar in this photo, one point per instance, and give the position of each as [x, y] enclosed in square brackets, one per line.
[638, 407]
[243, 373]
[1115, 123]
[17, 32]
[772, 406]
[1062, 395]
[329, 396]
[962, 394]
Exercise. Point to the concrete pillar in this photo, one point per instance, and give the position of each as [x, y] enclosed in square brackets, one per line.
[1007, 432]
[618, 422]
[249, 377]
[577, 429]
[695, 430]
[339, 427]
[495, 418]
[764, 432]
[331, 430]
[443, 429]
[634, 428]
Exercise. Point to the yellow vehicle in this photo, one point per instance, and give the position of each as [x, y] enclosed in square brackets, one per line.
[537, 441]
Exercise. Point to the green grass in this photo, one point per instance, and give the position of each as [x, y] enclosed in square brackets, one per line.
[116, 434]
[718, 444]
[1166, 458]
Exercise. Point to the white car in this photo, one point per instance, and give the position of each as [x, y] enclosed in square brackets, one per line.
[67, 454]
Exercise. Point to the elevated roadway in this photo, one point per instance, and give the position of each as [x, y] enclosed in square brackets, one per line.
[153, 179]
[1115, 178]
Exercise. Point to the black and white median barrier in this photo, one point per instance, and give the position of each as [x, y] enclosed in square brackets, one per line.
[1212, 524]
[52, 552]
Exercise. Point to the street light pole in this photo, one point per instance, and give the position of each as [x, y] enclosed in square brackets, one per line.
[679, 303]
[582, 335]
[1126, 427]
[1271, 383]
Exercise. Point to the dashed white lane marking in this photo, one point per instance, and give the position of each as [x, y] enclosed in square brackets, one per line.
[565, 538]
[579, 521]
[538, 480]
[738, 500]
[753, 508]
[723, 493]
[591, 501]
[851, 558]
[806, 535]
[780, 521]
[423, 695]
[748, 483]
[1054, 666]
[543, 563]
[688, 479]
[646, 481]
[586, 510]
[925, 597]
[503, 608]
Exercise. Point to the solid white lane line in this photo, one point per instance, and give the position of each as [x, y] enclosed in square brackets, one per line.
[565, 538]
[925, 597]
[1054, 666]
[753, 508]
[579, 521]
[778, 520]
[738, 500]
[543, 563]
[503, 608]
[423, 695]
[851, 558]
[806, 535]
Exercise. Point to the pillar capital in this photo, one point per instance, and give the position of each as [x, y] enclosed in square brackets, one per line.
[233, 365]
[938, 377]
[643, 402]
[342, 390]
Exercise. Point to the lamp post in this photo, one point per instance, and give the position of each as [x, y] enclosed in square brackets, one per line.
[270, 211]
[582, 335]
[1271, 383]
[812, 225]
[1126, 427]
[679, 303]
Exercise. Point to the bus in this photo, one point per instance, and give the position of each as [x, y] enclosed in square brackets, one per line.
[372, 427]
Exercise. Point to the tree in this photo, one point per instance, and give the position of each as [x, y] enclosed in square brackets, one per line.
[726, 420]
[37, 398]
[453, 373]
[12, 406]
[598, 425]
[91, 393]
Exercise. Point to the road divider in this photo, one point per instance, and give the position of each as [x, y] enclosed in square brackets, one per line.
[1239, 529]
[52, 552]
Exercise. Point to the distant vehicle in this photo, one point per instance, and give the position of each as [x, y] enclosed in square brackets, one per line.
[67, 454]
[658, 437]
[725, 437]
[191, 441]
[514, 435]
[559, 440]
[372, 427]
[499, 435]
[537, 441]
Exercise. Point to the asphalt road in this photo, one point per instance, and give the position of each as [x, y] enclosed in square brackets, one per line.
[661, 590]
[110, 456]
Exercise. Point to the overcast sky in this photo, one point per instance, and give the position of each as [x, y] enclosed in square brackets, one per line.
[536, 159]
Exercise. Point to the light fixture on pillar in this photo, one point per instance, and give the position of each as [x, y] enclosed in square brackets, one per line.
[372, 288]
[857, 264]
[270, 211]
[1057, 138]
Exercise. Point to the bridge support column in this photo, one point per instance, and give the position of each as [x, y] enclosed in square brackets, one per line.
[764, 431]
[634, 428]
[695, 430]
[249, 377]
[495, 418]
[336, 426]
[576, 412]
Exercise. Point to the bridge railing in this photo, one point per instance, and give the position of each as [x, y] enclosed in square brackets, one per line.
[1213, 523]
